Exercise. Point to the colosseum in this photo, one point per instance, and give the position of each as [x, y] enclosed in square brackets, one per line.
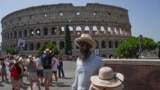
[109, 25]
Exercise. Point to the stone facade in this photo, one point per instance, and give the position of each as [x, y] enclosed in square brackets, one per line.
[108, 25]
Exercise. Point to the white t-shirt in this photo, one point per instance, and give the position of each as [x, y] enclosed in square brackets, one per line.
[38, 63]
[54, 67]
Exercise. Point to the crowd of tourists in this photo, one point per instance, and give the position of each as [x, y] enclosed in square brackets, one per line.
[42, 69]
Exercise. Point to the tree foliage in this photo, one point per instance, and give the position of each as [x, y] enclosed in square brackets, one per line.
[50, 46]
[130, 48]
[12, 51]
[68, 43]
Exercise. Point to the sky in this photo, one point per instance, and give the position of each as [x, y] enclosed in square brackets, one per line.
[144, 15]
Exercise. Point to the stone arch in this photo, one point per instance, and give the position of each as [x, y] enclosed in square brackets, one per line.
[78, 30]
[97, 44]
[95, 29]
[11, 35]
[15, 34]
[110, 30]
[61, 45]
[116, 44]
[25, 33]
[20, 34]
[31, 32]
[31, 46]
[38, 32]
[38, 46]
[62, 30]
[53, 31]
[45, 31]
[71, 29]
[86, 29]
[103, 44]
[110, 44]
[102, 30]
[26, 46]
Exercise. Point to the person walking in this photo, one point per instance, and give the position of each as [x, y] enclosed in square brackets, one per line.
[55, 64]
[16, 73]
[60, 68]
[32, 73]
[88, 63]
[39, 68]
[46, 60]
[4, 71]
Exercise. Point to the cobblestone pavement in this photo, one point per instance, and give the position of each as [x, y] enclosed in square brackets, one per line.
[63, 83]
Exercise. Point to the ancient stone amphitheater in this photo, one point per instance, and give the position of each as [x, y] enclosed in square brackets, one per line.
[108, 25]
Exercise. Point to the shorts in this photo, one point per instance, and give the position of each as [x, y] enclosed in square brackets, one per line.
[40, 73]
[19, 77]
[47, 73]
[55, 72]
[32, 76]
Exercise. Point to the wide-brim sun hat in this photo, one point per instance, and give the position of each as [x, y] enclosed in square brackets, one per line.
[47, 51]
[30, 57]
[86, 38]
[107, 78]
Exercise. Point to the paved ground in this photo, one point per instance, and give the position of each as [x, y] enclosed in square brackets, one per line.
[63, 83]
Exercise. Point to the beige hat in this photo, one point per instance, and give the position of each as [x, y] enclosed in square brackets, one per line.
[17, 59]
[47, 50]
[86, 38]
[107, 78]
[30, 57]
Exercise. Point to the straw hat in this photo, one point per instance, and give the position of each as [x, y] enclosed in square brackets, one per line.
[30, 57]
[107, 78]
[47, 51]
[86, 38]
[17, 59]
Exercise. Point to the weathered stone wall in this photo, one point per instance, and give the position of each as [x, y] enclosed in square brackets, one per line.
[140, 74]
[109, 25]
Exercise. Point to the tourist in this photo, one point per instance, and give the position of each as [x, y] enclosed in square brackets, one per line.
[88, 63]
[55, 64]
[46, 60]
[16, 73]
[39, 68]
[60, 68]
[32, 72]
[3, 71]
[107, 80]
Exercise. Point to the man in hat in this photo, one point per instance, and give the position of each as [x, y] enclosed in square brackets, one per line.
[46, 60]
[88, 63]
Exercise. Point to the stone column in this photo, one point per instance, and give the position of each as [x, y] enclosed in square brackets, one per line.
[91, 30]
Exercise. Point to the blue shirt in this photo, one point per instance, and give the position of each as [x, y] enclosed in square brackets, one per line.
[84, 70]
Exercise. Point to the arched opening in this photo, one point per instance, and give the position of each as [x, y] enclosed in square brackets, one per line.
[45, 31]
[110, 44]
[38, 45]
[103, 44]
[61, 45]
[53, 32]
[38, 32]
[31, 46]
[25, 33]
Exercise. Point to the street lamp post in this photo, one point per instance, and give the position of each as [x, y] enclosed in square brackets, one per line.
[140, 45]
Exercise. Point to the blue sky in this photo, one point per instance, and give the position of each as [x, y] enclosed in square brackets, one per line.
[144, 15]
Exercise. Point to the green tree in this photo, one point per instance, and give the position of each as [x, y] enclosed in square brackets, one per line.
[12, 51]
[68, 43]
[49, 45]
[130, 48]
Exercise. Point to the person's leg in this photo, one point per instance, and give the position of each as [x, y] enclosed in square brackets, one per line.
[2, 75]
[59, 73]
[62, 72]
[31, 84]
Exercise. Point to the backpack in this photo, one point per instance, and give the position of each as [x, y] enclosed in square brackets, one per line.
[14, 72]
[46, 60]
